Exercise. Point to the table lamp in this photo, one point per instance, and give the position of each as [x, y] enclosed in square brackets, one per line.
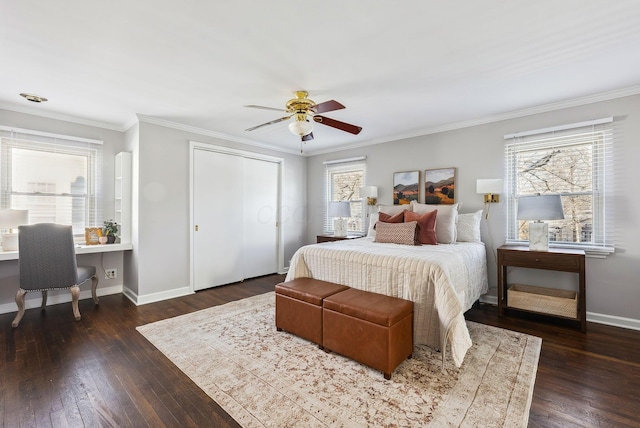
[339, 210]
[537, 208]
[11, 219]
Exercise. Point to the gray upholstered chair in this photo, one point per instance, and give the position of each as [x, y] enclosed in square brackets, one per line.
[47, 259]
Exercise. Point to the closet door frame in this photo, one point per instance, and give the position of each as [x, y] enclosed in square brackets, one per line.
[195, 145]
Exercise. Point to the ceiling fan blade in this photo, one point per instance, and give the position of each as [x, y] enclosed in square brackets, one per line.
[264, 108]
[327, 106]
[268, 123]
[307, 137]
[347, 127]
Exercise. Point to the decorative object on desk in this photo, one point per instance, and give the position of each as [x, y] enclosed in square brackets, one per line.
[110, 230]
[11, 219]
[537, 208]
[340, 211]
[370, 195]
[92, 235]
[440, 186]
[491, 188]
[406, 187]
[103, 240]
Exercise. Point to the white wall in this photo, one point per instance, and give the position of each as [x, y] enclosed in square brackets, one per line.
[613, 284]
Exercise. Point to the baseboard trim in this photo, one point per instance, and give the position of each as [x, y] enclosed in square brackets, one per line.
[156, 297]
[63, 297]
[612, 320]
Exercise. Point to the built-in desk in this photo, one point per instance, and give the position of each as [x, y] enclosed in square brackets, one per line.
[80, 249]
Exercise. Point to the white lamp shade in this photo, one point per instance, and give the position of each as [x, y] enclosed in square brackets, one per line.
[489, 185]
[300, 127]
[11, 219]
[340, 209]
[540, 207]
[369, 192]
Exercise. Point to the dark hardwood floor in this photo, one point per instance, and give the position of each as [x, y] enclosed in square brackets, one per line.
[99, 371]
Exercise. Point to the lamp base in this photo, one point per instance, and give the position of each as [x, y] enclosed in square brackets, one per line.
[538, 236]
[9, 242]
[340, 227]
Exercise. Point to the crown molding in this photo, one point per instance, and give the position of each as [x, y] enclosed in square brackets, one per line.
[209, 133]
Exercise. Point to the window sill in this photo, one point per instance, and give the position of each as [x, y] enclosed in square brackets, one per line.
[80, 249]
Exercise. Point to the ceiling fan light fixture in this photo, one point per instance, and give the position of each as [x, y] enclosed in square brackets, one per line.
[300, 127]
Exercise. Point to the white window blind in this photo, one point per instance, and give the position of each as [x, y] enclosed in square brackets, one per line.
[55, 177]
[572, 160]
[343, 179]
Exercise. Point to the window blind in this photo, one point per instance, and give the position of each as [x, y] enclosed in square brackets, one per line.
[56, 177]
[572, 160]
[343, 179]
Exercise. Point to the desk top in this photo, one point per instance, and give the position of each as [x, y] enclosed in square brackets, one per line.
[80, 249]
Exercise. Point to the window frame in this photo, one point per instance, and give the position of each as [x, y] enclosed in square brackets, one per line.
[600, 134]
[43, 142]
[341, 166]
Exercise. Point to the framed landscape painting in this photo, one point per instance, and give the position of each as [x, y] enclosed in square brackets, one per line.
[406, 187]
[440, 186]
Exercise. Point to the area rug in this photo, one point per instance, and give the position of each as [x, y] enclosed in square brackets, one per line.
[263, 377]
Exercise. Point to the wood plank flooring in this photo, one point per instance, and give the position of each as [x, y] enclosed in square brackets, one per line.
[56, 372]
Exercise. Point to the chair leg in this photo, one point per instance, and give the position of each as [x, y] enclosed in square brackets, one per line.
[75, 294]
[20, 302]
[44, 300]
[94, 285]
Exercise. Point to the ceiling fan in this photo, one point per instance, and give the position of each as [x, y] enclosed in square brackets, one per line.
[305, 109]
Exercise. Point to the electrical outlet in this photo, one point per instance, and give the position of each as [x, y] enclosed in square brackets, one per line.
[110, 273]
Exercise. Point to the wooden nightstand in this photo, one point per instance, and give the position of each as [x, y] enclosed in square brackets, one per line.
[331, 238]
[565, 260]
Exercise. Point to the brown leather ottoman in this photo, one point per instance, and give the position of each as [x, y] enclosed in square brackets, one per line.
[371, 328]
[299, 306]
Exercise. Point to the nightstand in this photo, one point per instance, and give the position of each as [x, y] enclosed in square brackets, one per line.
[331, 238]
[539, 298]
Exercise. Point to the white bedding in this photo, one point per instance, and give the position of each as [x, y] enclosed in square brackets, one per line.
[442, 280]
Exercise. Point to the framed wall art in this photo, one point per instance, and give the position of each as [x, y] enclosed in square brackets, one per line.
[92, 235]
[406, 187]
[440, 186]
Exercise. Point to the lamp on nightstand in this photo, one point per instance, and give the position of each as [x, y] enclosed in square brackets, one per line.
[537, 208]
[340, 211]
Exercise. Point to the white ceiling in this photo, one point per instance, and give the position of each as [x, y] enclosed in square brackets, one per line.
[400, 68]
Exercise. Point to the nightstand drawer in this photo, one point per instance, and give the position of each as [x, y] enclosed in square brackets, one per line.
[540, 260]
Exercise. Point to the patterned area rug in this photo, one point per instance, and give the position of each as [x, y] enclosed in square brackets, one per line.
[262, 377]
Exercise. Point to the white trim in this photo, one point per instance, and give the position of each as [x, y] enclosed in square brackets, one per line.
[354, 159]
[63, 297]
[615, 321]
[560, 128]
[156, 297]
[49, 135]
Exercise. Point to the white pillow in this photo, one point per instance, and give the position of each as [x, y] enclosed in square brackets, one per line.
[468, 227]
[373, 219]
[393, 209]
[445, 221]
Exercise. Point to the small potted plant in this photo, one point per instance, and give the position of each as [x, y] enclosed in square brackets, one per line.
[110, 230]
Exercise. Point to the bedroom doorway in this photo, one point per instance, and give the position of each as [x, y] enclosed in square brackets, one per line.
[235, 215]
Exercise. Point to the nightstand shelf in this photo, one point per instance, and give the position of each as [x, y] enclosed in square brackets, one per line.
[541, 300]
[331, 238]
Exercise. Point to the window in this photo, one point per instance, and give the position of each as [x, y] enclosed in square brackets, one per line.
[343, 180]
[572, 161]
[55, 177]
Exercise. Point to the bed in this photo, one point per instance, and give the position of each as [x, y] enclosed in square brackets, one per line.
[442, 280]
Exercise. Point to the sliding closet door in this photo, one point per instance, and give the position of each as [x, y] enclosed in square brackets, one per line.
[218, 218]
[235, 217]
[260, 217]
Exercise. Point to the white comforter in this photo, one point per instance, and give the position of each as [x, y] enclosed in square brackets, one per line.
[443, 281]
